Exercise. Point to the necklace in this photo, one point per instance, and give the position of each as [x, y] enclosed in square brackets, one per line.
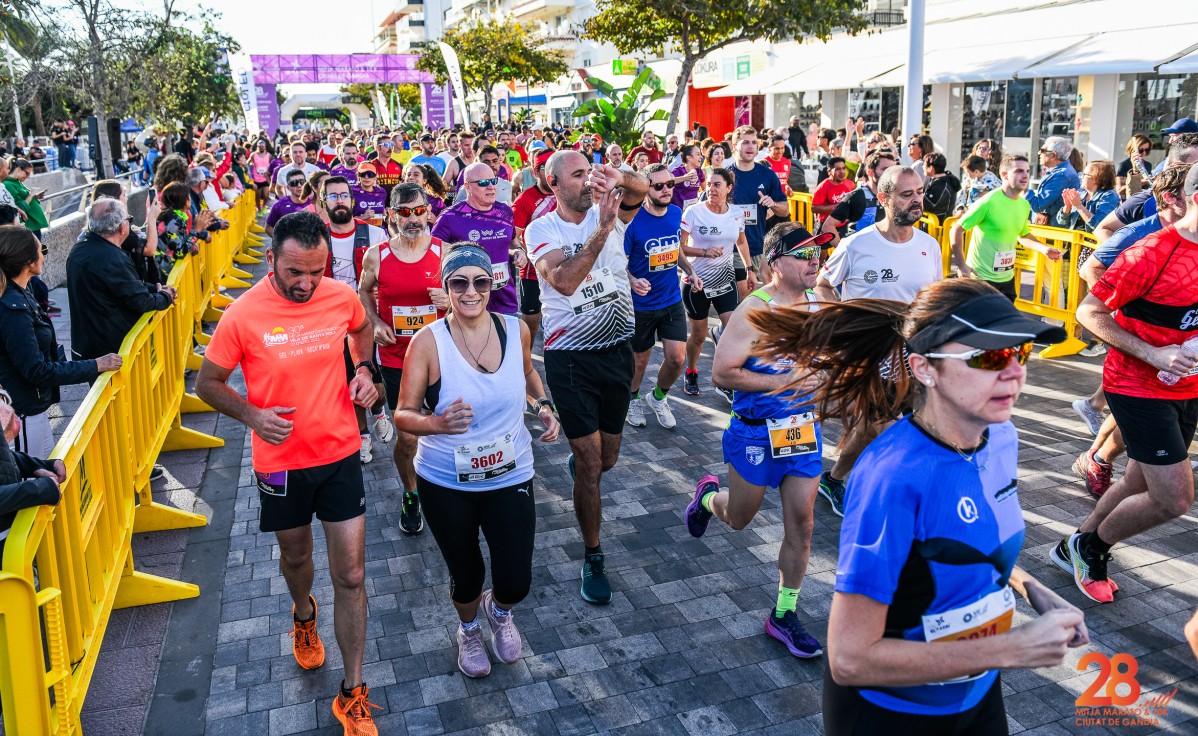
[470, 352]
[967, 457]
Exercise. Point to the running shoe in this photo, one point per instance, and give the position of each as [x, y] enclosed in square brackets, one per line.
[305, 642]
[661, 409]
[384, 430]
[1096, 475]
[411, 521]
[714, 333]
[697, 517]
[690, 386]
[833, 490]
[727, 393]
[364, 453]
[596, 588]
[570, 466]
[1093, 350]
[1091, 416]
[505, 637]
[1089, 571]
[354, 712]
[789, 630]
[1059, 555]
[636, 413]
[472, 652]
[157, 473]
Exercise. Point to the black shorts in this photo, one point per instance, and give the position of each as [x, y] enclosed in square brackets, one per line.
[697, 303]
[1156, 431]
[590, 388]
[1006, 288]
[392, 380]
[664, 324]
[848, 713]
[333, 492]
[530, 296]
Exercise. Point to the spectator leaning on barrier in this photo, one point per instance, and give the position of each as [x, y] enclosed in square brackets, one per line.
[25, 481]
[1057, 175]
[175, 240]
[32, 364]
[105, 294]
[142, 243]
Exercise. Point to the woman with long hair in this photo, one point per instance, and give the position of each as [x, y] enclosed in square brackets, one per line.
[989, 149]
[427, 178]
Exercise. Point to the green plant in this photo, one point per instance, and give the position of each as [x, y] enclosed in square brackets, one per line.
[620, 117]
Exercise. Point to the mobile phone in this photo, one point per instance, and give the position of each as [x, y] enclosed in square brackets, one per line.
[151, 195]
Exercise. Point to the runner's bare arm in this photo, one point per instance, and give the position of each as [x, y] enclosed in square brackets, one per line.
[956, 236]
[829, 226]
[212, 387]
[420, 370]
[1031, 241]
[384, 334]
[1092, 270]
[727, 368]
[535, 390]
[1109, 225]
[566, 274]
[1097, 317]
[1044, 599]
[825, 291]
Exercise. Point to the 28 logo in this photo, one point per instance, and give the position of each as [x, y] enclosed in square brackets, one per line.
[1112, 677]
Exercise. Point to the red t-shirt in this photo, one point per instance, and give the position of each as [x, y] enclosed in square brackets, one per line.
[654, 154]
[403, 298]
[531, 204]
[828, 192]
[781, 167]
[1152, 286]
[293, 355]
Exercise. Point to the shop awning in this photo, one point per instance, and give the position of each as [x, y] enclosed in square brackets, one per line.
[1185, 64]
[561, 102]
[1131, 51]
[523, 100]
[756, 83]
[843, 73]
[988, 63]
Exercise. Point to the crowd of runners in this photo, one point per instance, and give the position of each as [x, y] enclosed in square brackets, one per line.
[408, 295]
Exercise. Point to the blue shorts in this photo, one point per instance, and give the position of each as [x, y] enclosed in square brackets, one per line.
[747, 449]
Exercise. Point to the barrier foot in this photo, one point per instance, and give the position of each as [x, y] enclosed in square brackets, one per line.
[156, 517]
[140, 589]
[256, 228]
[237, 273]
[1072, 346]
[193, 362]
[182, 438]
[220, 301]
[202, 337]
[212, 315]
[231, 283]
[193, 404]
[253, 241]
[246, 260]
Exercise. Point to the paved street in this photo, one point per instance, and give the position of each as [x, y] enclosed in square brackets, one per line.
[680, 650]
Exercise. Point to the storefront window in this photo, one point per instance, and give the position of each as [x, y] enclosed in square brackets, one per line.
[865, 103]
[1161, 99]
[1058, 107]
[803, 105]
[926, 117]
[1019, 108]
[982, 114]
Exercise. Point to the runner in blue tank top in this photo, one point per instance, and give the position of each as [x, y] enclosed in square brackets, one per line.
[922, 618]
[772, 440]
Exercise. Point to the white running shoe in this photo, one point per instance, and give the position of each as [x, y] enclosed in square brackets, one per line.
[384, 430]
[365, 454]
[1091, 416]
[661, 408]
[636, 414]
[714, 333]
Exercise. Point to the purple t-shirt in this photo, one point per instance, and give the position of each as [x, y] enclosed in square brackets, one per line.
[493, 230]
[284, 206]
[351, 175]
[375, 199]
[686, 194]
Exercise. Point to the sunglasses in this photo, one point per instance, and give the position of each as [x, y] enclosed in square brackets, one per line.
[493, 181]
[461, 284]
[1145, 151]
[296, 183]
[386, 145]
[659, 187]
[367, 175]
[990, 360]
[803, 253]
[409, 211]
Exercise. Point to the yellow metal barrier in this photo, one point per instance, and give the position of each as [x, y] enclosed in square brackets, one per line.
[800, 210]
[65, 568]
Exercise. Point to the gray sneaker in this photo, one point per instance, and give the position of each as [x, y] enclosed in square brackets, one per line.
[661, 409]
[1091, 416]
[505, 638]
[472, 653]
[636, 413]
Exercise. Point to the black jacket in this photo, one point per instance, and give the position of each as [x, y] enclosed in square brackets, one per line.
[106, 297]
[31, 365]
[16, 492]
[940, 195]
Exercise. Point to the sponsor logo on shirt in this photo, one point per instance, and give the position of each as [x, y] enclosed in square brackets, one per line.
[967, 510]
[274, 338]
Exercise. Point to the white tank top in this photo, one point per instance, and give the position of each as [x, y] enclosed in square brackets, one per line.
[496, 451]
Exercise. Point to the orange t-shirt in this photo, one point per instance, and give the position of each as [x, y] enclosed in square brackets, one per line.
[292, 355]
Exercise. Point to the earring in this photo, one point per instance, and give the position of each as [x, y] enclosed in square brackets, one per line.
[929, 382]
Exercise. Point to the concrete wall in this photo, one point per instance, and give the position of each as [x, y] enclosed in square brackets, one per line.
[57, 181]
[64, 231]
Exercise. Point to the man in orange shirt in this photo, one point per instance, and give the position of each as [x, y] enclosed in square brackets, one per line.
[287, 334]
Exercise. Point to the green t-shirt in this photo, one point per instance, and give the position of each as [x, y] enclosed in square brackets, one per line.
[999, 221]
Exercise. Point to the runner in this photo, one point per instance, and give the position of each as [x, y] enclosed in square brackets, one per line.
[389, 170]
[858, 209]
[466, 156]
[284, 332]
[427, 155]
[891, 259]
[453, 146]
[488, 155]
[293, 202]
[713, 231]
[648, 147]
[651, 244]
[299, 162]
[347, 166]
[260, 171]
[1142, 307]
[689, 179]
[772, 440]
[531, 204]
[578, 251]
[757, 194]
[933, 526]
[779, 162]
[482, 220]
[1001, 218]
[370, 200]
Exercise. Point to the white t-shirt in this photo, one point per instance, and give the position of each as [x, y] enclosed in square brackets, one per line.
[710, 230]
[343, 253]
[281, 174]
[869, 265]
[599, 313]
[445, 156]
[503, 192]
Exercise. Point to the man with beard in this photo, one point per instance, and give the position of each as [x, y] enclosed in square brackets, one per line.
[427, 155]
[284, 333]
[891, 259]
[348, 244]
[347, 168]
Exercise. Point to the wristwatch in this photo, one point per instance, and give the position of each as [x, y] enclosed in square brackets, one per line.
[543, 401]
[368, 364]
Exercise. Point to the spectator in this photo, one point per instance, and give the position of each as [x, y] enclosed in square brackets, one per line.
[37, 156]
[32, 364]
[175, 239]
[142, 243]
[1057, 175]
[940, 186]
[991, 151]
[150, 162]
[1084, 209]
[170, 169]
[920, 146]
[58, 136]
[1135, 172]
[5, 196]
[106, 296]
[979, 180]
[25, 481]
[27, 200]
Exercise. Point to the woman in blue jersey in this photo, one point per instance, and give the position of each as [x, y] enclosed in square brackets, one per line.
[921, 620]
[772, 440]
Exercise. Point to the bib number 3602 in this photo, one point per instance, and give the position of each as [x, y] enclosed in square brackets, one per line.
[485, 460]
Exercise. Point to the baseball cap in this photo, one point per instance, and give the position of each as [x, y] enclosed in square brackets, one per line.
[368, 166]
[536, 145]
[207, 172]
[986, 322]
[795, 239]
[1183, 125]
[427, 137]
[543, 158]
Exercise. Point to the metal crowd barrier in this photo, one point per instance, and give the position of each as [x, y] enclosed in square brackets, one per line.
[66, 567]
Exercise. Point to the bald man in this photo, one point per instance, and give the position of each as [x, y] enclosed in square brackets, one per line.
[488, 158]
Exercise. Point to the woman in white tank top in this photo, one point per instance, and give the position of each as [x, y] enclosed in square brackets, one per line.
[474, 464]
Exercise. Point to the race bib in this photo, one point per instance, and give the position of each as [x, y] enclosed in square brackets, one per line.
[750, 213]
[261, 169]
[485, 460]
[714, 291]
[407, 321]
[500, 274]
[597, 289]
[990, 616]
[1004, 260]
[794, 435]
[272, 484]
[688, 202]
[663, 257]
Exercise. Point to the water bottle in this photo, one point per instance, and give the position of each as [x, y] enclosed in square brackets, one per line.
[1167, 378]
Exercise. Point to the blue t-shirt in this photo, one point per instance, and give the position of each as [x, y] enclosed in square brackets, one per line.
[1125, 237]
[651, 244]
[438, 164]
[947, 528]
[1137, 207]
[750, 185]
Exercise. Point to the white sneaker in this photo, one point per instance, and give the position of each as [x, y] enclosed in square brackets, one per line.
[661, 408]
[1093, 351]
[383, 428]
[636, 414]
[1091, 416]
[715, 333]
[364, 454]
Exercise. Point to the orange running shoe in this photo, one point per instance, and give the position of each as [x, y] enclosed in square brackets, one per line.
[354, 712]
[305, 642]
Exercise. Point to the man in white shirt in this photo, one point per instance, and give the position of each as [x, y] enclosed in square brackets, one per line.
[299, 158]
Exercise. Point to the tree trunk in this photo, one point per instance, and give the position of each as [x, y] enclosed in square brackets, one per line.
[39, 122]
[684, 75]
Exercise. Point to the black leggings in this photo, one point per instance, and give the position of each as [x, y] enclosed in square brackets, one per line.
[507, 518]
[847, 713]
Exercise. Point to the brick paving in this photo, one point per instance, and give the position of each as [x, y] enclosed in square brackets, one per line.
[680, 650]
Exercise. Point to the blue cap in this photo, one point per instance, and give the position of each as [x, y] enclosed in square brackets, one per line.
[536, 145]
[1183, 125]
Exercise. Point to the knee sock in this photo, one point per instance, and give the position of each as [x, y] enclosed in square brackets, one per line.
[788, 600]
